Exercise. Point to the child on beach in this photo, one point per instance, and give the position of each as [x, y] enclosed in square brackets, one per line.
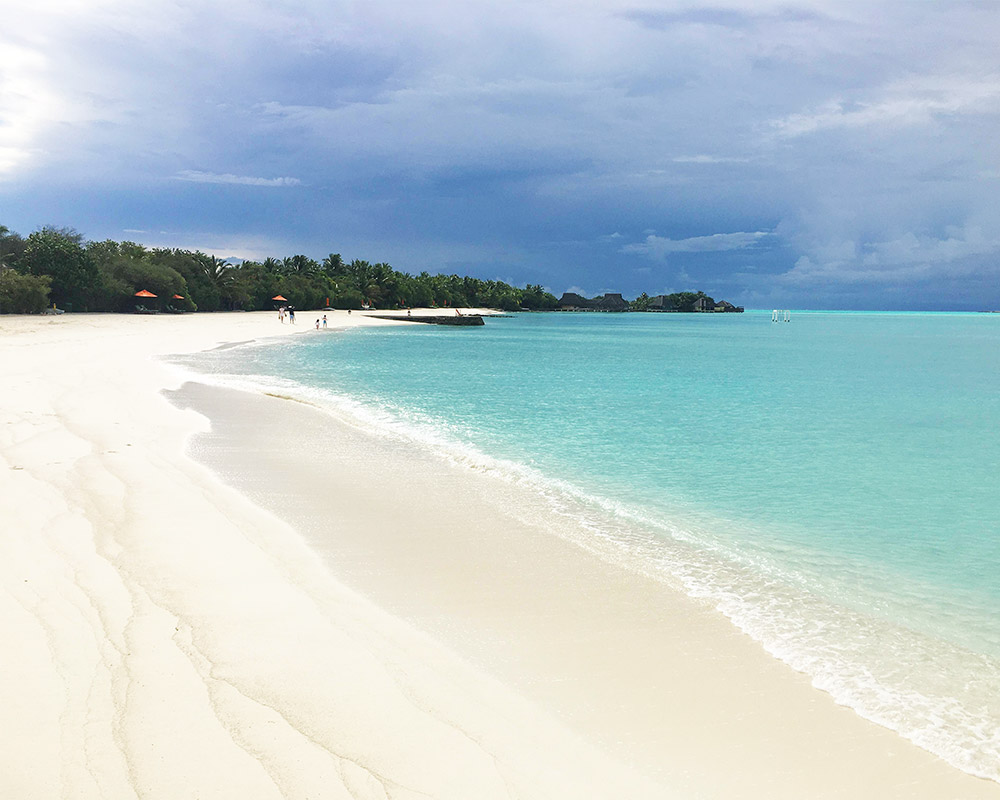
[324, 320]
[317, 324]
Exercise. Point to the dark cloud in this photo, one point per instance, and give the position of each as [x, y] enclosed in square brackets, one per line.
[817, 152]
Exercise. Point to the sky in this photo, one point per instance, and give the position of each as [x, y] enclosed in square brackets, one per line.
[796, 154]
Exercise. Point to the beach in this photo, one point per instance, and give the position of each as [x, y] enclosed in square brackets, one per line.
[215, 593]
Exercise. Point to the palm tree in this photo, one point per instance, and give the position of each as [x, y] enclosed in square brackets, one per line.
[11, 248]
[303, 265]
[217, 270]
[333, 264]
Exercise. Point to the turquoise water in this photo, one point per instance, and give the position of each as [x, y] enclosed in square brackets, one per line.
[832, 483]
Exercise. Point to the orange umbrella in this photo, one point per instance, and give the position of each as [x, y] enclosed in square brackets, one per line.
[279, 297]
[177, 297]
[144, 293]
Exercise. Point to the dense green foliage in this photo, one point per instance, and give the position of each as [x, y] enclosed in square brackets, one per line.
[678, 301]
[641, 303]
[60, 254]
[23, 294]
[104, 276]
[11, 247]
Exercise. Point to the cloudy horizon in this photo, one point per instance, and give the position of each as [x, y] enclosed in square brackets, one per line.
[803, 154]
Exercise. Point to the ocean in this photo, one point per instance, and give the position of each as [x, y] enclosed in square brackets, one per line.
[831, 484]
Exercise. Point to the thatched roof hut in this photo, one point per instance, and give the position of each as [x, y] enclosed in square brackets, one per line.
[571, 301]
[613, 301]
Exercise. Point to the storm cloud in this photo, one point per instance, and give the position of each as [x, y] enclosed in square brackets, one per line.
[809, 154]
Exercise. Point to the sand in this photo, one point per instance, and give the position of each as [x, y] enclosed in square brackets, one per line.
[191, 610]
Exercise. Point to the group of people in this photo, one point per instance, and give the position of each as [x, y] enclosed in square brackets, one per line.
[287, 312]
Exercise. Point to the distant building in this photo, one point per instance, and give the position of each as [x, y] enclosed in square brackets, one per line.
[662, 302]
[703, 304]
[610, 302]
[571, 301]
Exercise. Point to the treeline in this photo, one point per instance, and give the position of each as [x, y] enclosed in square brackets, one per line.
[678, 301]
[56, 265]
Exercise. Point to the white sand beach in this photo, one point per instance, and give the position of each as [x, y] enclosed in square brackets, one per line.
[191, 610]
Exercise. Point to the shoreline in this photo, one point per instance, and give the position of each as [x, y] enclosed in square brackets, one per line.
[612, 653]
[210, 622]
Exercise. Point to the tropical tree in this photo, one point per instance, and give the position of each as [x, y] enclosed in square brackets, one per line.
[301, 265]
[333, 265]
[641, 303]
[536, 298]
[23, 294]
[272, 266]
[11, 248]
[218, 271]
[59, 253]
[127, 267]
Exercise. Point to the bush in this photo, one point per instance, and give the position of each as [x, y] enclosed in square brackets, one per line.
[349, 299]
[58, 252]
[23, 294]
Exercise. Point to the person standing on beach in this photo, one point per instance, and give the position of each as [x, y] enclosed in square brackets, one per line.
[324, 320]
[291, 316]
